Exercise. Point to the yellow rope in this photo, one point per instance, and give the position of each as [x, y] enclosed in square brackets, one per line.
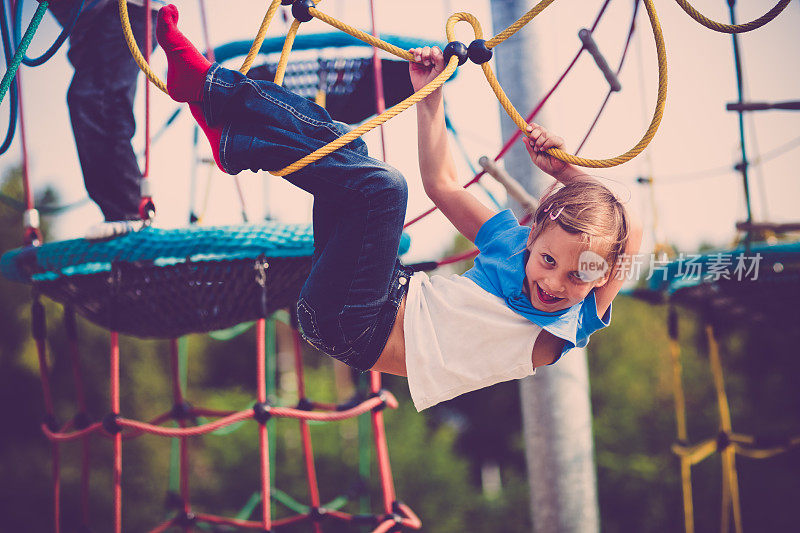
[733, 28]
[280, 71]
[743, 444]
[735, 443]
[134, 48]
[764, 452]
[519, 121]
[683, 434]
[657, 114]
[144, 67]
[514, 28]
[366, 37]
[695, 453]
[455, 18]
[730, 483]
[372, 123]
[259, 40]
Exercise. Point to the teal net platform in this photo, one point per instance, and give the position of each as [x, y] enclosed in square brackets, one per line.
[167, 283]
[761, 283]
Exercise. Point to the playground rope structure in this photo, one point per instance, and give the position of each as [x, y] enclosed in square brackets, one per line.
[727, 443]
[396, 514]
[118, 428]
[305, 10]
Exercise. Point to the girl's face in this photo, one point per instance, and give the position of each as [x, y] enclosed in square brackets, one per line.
[553, 278]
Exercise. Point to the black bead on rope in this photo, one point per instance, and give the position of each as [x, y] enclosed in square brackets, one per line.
[723, 440]
[398, 521]
[478, 51]
[181, 411]
[185, 519]
[261, 412]
[458, 49]
[304, 404]
[111, 424]
[382, 395]
[317, 514]
[300, 10]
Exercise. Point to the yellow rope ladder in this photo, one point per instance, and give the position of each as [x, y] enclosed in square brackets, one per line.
[727, 443]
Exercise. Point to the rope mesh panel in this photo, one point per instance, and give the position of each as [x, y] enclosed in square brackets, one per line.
[338, 76]
[159, 247]
[167, 283]
[188, 297]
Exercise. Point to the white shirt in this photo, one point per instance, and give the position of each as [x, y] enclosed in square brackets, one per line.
[460, 338]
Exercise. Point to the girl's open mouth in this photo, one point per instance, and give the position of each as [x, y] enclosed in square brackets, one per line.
[546, 297]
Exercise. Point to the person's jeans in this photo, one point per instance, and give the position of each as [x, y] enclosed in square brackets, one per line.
[100, 100]
[349, 303]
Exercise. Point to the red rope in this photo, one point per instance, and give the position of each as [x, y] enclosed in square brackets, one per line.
[77, 378]
[510, 142]
[39, 327]
[31, 234]
[117, 468]
[266, 520]
[178, 400]
[305, 431]
[26, 184]
[474, 252]
[619, 69]
[163, 526]
[463, 256]
[41, 350]
[377, 74]
[86, 473]
[381, 449]
[204, 23]
[56, 470]
[148, 39]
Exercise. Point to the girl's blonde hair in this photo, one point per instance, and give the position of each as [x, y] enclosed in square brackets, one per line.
[588, 208]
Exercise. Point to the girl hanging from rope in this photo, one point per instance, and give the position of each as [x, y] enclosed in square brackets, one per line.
[532, 295]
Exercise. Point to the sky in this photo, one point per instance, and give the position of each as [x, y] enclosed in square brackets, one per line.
[698, 195]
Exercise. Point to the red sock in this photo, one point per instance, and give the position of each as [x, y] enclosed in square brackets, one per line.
[186, 66]
[214, 135]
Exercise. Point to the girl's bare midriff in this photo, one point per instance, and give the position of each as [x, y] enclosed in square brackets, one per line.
[393, 356]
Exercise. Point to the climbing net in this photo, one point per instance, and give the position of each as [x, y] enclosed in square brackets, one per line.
[117, 428]
[727, 442]
[456, 53]
[264, 411]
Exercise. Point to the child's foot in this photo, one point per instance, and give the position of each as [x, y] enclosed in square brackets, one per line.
[186, 66]
[214, 135]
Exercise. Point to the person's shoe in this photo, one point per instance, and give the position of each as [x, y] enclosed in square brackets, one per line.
[108, 230]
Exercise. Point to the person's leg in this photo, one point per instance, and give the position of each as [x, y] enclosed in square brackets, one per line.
[359, 202]
[100, 101]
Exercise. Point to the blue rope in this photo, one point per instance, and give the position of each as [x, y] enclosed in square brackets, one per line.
[12, 115]
[65, 32]
[11, 71]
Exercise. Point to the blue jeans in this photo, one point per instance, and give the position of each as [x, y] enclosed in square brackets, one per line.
[100, 100]
[349, 303]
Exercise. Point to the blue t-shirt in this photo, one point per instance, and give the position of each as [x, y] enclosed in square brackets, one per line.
[500, 270]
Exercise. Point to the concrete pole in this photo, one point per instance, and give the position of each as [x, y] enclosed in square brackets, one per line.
[556, 410]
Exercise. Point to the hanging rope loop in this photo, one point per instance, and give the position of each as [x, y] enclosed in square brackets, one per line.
[479, 51]
[733, 28]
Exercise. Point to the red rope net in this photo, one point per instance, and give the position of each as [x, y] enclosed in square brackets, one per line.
[118, 429]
